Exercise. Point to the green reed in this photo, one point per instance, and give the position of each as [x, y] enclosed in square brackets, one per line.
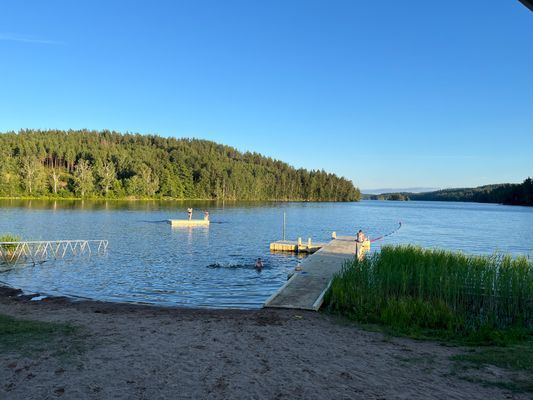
[8, 237]
[408, 287]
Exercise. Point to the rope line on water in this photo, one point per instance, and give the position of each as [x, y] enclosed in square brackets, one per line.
[388, 234]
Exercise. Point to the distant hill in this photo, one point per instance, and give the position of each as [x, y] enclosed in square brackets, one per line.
[106, 164]
[504, 193]
[399, 190]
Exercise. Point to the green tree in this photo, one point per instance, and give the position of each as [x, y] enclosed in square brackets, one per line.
[9, 177]
[150, 182]
[55, 179]
[83, 178]
[32, 175]
[106, 175]
[142, 165]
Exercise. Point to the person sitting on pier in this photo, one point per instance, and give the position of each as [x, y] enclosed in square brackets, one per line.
[258, 264]
[206, 215]
[189, 213]
[359, 244]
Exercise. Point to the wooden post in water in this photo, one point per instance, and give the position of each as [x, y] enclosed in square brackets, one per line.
[284, 220]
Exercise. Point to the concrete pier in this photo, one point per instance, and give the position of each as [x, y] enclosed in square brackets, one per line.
[305, 289]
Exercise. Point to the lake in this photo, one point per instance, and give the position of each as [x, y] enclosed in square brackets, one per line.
[150, 262]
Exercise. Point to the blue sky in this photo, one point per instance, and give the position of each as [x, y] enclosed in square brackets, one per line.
[388, 94]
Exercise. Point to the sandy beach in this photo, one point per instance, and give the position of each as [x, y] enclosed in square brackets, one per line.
[143, 352]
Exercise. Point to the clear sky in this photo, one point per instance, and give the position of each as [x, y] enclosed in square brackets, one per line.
[386, 93]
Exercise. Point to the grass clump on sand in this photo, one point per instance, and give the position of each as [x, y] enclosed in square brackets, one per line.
[516, 358]
[438, 293]
[23, 335]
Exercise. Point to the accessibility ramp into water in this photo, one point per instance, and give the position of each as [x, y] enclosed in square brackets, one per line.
[305, 289]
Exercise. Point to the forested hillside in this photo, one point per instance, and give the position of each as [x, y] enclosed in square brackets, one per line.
[112, 165]
[505, 193]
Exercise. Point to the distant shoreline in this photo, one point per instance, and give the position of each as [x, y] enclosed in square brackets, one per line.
[513, 194]
[140, 199]
[446, 201]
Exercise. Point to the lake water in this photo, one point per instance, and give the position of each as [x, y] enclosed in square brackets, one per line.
[150, 262]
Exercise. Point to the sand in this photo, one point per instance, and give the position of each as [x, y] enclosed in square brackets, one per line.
[143, 352]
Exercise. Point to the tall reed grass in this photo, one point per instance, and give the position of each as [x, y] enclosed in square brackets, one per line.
[408, 287]
[8, 237]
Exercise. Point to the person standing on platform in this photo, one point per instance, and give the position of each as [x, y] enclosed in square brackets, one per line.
[359, 245]
[189, 213]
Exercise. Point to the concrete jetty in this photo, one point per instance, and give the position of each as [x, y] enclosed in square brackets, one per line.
[305, 289]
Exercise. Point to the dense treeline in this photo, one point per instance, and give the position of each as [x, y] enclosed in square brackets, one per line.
[507, 193]
[112, 165]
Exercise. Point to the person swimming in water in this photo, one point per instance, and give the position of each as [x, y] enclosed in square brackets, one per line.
[258, 264]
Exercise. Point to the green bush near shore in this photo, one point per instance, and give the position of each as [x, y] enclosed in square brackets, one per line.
[437, 293]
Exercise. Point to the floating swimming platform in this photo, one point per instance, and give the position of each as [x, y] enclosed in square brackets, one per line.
[188, 222]
[295, 246]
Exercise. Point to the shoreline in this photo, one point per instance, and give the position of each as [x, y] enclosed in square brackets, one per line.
[170, 199]
[132, 351]
[18, 295]
[218, 201]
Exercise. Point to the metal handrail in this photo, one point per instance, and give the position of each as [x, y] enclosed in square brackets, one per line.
[42, 250]
[52, 241]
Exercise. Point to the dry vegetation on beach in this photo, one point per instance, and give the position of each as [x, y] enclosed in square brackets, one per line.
[92, 350]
